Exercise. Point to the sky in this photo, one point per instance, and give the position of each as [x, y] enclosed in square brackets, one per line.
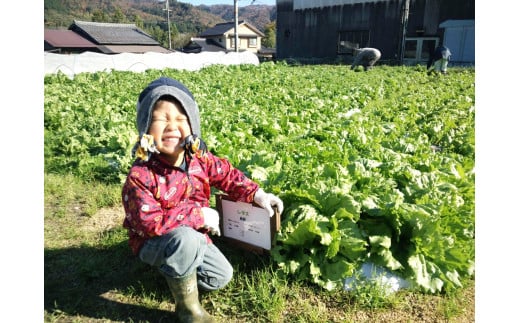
[241, 3]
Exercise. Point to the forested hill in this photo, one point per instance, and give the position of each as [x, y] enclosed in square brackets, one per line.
[186, 18]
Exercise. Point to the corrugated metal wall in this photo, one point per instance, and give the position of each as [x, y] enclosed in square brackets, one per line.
[311, 34]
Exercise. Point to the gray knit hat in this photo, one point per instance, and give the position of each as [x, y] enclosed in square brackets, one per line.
[158, 88]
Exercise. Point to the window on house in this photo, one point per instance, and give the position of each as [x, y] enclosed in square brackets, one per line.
[251, 42]
[418, 49]
[349, 39]
[410, 49]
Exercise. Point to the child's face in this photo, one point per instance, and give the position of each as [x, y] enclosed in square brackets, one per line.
[169, 127]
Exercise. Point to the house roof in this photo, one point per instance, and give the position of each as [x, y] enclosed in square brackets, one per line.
[112, 33]
[225, 27]
[118, 49]
[66, 39]
[207, 45]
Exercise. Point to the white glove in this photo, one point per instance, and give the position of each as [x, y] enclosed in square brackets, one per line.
[267, 201]
[211, 220]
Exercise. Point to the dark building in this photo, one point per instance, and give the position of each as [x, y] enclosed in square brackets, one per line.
[405, 31]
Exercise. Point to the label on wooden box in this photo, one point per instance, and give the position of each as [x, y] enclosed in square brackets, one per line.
[247, 224]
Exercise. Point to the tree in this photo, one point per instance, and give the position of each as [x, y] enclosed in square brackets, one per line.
[174, 32]
[118, 16]
[270, 35]
[99, 15]
[138, 21]
[158, 34]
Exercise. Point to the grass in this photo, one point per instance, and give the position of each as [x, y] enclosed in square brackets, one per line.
[90, 275]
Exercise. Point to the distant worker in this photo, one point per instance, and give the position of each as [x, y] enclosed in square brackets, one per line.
[365, 57]
[439, 60]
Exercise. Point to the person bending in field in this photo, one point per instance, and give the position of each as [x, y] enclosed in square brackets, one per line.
[365, 57]
[166, 197]
[438, 60]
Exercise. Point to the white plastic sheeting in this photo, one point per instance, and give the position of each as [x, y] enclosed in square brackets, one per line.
[378, 275]
[91, 62]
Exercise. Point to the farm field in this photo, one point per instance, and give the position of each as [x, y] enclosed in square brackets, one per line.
[372, 166]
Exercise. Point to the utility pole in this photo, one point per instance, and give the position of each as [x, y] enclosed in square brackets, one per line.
[404, 26]
[169, 33]
[236, 25]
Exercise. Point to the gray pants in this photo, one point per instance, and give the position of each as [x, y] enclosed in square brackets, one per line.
[184, 250]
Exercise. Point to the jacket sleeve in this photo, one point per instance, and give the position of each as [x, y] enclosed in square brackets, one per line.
[230, 180]
[446, 53]
[144, 213]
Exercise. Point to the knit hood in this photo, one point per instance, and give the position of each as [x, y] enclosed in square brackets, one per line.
[145, 145]
[161, 87]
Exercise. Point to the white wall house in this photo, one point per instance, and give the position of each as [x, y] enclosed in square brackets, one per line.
[223, 35]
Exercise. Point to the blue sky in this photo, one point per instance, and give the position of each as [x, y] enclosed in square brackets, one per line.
[241, 3]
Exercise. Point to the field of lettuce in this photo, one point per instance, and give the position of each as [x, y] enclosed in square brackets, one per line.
[372, 166]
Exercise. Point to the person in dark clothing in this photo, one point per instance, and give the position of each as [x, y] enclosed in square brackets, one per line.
[365, 57]
[439, 60]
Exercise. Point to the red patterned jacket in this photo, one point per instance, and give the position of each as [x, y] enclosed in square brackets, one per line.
[158, 197]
